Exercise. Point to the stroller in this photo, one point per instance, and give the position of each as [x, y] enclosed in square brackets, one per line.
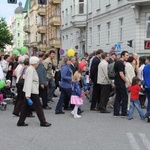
[3, 104]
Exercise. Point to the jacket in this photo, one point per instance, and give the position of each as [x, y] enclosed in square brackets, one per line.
[31, 83]
[103, 73]
[41, 71]
[66, 77]
[76, 89]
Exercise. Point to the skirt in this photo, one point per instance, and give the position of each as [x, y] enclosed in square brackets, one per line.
[76, 100]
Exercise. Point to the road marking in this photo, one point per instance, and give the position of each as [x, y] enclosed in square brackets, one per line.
[133, 141]
[146, 142]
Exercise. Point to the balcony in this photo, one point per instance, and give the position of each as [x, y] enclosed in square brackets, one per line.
[41, 11]
[26, 29]
[54, 2]
[79, 21]
[139, 2]
[41, 29]
[42, 46]
[55, 21]
[26, 43]
[56, 43]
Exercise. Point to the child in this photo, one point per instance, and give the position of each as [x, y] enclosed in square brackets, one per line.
[76, 97]
[134, 99]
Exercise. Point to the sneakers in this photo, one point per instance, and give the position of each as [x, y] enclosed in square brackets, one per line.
[77, 116]
[72, 112]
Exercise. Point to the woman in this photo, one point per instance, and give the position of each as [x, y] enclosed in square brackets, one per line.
[65, 85]
[31, 89]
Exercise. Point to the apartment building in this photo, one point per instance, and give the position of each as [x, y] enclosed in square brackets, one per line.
[73, 25]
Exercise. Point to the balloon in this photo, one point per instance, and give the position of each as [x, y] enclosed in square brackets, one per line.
[15, 52]
[71, 52]
[23, 50]
[81, 65]
[2, 84]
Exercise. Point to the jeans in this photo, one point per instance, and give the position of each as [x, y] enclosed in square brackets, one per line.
[121, 99]
[64, 98]
[51, 88]
[147, 90]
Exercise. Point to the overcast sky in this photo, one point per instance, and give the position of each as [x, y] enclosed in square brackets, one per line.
[7, 10]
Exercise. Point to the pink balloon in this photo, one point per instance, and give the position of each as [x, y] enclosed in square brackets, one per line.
[81, 65]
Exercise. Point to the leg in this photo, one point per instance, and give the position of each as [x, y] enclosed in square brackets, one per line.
[51, 88]
[138, 107]
[75, 112]
[148, 104]
[67, 99]
[43, 94]
[142, 99]
[38, 108]
[131, 110]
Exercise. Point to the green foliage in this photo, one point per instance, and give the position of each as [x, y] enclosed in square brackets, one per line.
[5, 36]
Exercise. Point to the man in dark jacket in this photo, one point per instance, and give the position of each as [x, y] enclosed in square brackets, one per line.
[41, 71]
[93, 77]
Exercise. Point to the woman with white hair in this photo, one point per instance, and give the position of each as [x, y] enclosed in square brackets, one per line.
[31, 89]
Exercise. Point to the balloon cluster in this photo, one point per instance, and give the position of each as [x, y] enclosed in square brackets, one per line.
[2, 84]
[81, 65]
[23, 51]
[71, 52]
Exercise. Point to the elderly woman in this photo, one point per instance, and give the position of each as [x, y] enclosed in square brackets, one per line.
[31, 89]
[65, 85]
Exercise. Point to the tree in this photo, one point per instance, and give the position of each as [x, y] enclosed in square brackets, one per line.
[5, 36]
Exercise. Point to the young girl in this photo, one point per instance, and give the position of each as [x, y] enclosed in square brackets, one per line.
[134, 99]
[76, 96]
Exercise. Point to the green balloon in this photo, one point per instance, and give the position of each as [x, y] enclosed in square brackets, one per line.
[2, 84]
[15, 52]
[23, 50]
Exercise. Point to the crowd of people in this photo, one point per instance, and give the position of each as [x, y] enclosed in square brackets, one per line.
[106, 79]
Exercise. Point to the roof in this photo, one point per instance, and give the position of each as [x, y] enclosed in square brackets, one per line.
[19, 9]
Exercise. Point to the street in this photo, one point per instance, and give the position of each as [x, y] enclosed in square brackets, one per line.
[94, 131]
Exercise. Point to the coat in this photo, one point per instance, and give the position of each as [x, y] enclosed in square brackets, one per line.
[31, 83]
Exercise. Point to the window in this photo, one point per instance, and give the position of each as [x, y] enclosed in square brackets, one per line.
[18, 24]
[71, 40]
[81, 6]
[73, 7]
[99, 34]
[62, 17]
[121, 29]
[98, 4]
[66, 37]
[18, 34]
[66, 16]
[108, 32]
[71, 11]
[90, 36]
[148, 25]
[18, 43]
[63, 38]
[108, 2]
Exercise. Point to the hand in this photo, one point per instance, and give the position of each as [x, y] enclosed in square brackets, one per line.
[128, 84]
[42, 86]
[27, 97]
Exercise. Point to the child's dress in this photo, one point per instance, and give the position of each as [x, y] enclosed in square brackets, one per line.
[76, 97]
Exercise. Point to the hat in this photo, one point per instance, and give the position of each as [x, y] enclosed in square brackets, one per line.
[8, 81]
[34, 60]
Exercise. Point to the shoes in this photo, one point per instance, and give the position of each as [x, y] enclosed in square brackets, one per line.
[47, 107]
[72, 112]
[45, 124]
[93, 109]
[68, 108]
[77, 116]
[16, 114]
[54, 95]
[30, 116]
[80, 111]
[104, 111]
[130, 118]
[61, 112]
[22, 124]
[143, 107]
[148, 118]
[116, 115]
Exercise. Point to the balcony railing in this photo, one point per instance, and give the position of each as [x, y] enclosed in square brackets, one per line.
[26, 28]
[41, 11]
[42, 46]
[56, 43]
[26, 43]
[139, 2]
[55, 21]
[41, 29]
[54, 2]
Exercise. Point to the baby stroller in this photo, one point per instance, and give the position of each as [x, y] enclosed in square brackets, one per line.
[3, 104]
[9, 94]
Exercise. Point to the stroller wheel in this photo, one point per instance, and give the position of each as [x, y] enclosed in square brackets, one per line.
[4, 106]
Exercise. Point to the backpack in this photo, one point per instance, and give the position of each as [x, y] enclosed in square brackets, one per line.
[111, 71]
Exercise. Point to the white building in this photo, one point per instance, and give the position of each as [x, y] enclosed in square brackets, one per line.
[73, 21]
[109, 22]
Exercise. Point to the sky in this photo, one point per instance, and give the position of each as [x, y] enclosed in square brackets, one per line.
[7, 10]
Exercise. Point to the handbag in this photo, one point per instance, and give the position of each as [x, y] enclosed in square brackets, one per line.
[21, 79]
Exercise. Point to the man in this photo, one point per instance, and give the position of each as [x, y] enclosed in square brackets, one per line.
[48, 64]
[93, 77]
[72, 65]
[5, 64]
[120, 81]
[146, 76]
[41, 71]
[135, 63]
[112, 57]
[105, 83]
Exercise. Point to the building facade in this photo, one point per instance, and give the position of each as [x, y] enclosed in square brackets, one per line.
[73, 25]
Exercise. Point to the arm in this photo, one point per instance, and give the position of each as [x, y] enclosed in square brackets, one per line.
[78, 89]
[124, 78]
[64, 76]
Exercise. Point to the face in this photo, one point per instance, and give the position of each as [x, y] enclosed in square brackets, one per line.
[68, 62]
[114, 57]
[73, 61]
[52, 55]
[107, 57]
[8, 59]
[126, 56]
